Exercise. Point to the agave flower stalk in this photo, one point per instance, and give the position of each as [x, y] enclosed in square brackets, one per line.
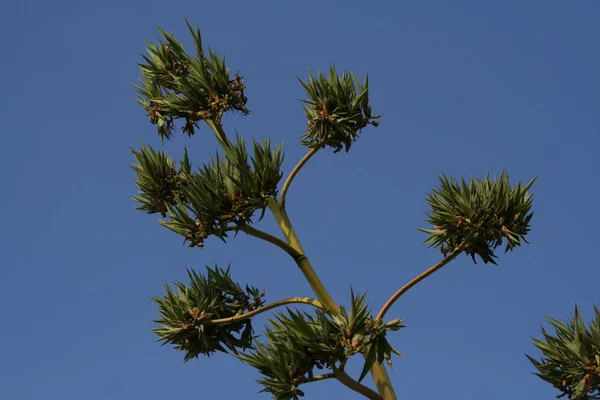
[232, 192]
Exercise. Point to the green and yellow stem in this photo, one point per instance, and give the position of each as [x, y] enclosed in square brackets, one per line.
[219, 133]
[250, 314]
[347, 381]
[294, 172]
[319, 377]
[388, 304]
[350, 383]
[378, 371]
[303, 263]
[295, 254]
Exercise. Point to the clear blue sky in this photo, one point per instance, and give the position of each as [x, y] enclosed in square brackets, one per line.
[463, 86]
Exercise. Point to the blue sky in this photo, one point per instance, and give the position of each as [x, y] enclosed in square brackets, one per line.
[464, 87]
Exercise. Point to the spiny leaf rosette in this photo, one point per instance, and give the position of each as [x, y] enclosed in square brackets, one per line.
[186, 315]
[478, 216]
[571, 358]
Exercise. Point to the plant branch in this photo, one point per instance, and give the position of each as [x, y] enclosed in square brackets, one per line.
[378, 371]
[257, 233]
[347, 381]
[382, 380]
[418, 279]
[350, 383]
[295, 254]
[295, 171]
[219, 133]
[250, 314]
[319, 377]
[303, 263]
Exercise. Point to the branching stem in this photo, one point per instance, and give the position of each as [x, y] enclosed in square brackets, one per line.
[295, 254]
[378, 371]
[219, 133]
[388, 304]
[350, 383]
[250, 314]
[303, 263]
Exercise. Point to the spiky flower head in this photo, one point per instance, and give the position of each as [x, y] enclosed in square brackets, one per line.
[176, 86]
[337, 109]
[186, 315]
[571, 357]
[479, 216]
[221, 197]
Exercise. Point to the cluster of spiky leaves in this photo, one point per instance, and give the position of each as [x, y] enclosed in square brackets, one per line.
[337, 109]
[571, 359]
[221, 197]
[160, 184]
[186, 314]
[478, 216]
[175, 85]
[298, 342]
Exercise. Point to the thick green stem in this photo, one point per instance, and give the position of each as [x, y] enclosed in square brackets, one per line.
[382, 381]
[219, 133]
[378, 371]
[347, 381]
[302, 262]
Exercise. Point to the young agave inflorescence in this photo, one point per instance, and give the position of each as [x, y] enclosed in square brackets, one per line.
[213, 313]
[476, 217]
[337, 109]
[298, 343]
[571, 358]
[175, 85]
[160, 184]
[186, 314]
[221, 197]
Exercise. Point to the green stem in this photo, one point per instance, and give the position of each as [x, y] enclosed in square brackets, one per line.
[378, 371]
[319, 377]
[250, 314]
[295, 254]
[294, 172]
[382, 381]
[303, 262]
[219, 133]
[347, 381]
[418, 279]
